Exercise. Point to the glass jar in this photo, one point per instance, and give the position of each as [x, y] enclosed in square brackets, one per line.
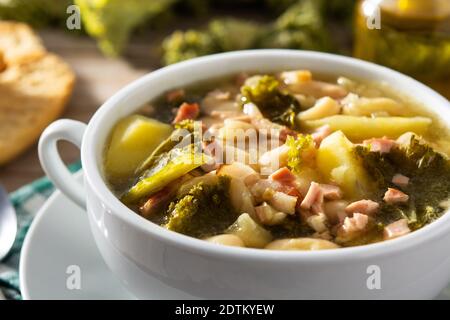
[411, 36]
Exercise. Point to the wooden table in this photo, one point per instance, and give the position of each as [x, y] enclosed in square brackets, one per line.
[97, 79]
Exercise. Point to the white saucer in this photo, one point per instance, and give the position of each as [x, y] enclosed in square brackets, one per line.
[60, 237]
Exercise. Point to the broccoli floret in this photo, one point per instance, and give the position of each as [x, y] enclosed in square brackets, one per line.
[38, 13]
[205, 210]
[299, 150]
[292, 227]
[276, 105]
[111, 21]
[429, 185]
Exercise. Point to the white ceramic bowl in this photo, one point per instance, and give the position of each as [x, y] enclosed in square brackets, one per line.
[414, 266]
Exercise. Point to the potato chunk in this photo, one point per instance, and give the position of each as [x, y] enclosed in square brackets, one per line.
[251, 233]
[337, 163]
[132, 140]
[361, 128]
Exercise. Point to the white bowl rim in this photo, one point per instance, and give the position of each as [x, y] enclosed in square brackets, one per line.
[428, 233]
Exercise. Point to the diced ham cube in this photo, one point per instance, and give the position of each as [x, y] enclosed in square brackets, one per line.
[396, 229]
[283, 175]
[356, 223]
[156, 201]
[382, 145]
[187, 111]
[335, 211]
[367, 207]
[285, 132]
[321, 133]
[268, 215]
[313, 195]
[175, 95]
[280, 201]
[331, 192]
[400, 180]
[394, 196]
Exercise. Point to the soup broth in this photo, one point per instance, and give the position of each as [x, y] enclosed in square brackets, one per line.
[284, 161]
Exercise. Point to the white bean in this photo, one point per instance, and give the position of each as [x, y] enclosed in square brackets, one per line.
[307, 244]
[324, 107]
[227, 240]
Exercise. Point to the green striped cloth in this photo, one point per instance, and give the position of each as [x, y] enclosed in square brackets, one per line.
[27, 201]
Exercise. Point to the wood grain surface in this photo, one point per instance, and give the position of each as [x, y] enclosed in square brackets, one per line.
[97, 79]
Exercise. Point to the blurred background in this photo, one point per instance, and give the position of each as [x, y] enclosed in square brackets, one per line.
[109, 43]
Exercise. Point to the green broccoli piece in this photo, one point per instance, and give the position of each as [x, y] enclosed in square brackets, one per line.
[204, 211]
[298, 150]
[181, 46]
[429, 185]
[276, 105]
[292, 227]
[164, 169]
[233, 34]
[301, 26]
[111, 21]
[221, 35]
[38, 13]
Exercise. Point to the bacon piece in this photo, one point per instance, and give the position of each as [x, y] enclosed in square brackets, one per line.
[320, 134]
[331, 192]
[187, 111]
[367, 207]
[395, 196]
[400, 180]
[396, 229]
[382, 145]
[283, 175]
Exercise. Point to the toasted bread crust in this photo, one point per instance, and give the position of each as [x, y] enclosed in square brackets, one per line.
[34, 89]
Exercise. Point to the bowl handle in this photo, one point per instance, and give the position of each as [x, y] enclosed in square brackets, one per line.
[54, 167]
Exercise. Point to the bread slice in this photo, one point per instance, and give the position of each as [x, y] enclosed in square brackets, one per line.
[19, 43]
[34, 89]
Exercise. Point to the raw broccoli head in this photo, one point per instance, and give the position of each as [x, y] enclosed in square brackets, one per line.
[429, 185]
[301, 26]
[38, 13]
[234, 34]
[181, 46]
[204, 211]
[111, 21]
[276, 105]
